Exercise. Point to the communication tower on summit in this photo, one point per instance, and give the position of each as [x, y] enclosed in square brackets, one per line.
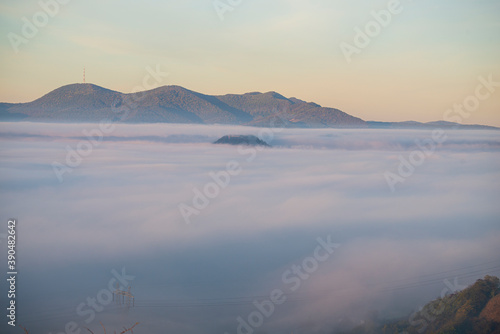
[84, 74]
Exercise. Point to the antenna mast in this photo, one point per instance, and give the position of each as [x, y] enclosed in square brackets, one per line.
[84, 74]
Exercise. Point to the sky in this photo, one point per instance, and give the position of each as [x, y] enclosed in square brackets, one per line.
[119, 207]
[426, 59]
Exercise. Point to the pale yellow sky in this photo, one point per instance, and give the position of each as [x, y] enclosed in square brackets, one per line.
[424, 59]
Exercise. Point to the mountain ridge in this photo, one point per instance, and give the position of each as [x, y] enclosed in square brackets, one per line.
[85, 102]
[174, 104]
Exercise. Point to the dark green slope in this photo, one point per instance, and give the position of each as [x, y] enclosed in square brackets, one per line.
[474, 310]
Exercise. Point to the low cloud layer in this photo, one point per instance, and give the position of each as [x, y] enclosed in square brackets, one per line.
[120, 208]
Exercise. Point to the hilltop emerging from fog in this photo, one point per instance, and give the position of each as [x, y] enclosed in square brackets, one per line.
[248, 140]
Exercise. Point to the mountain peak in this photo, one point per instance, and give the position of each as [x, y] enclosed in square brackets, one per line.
[80, 88]
[275, 95]
[78, 96]
[171, 88]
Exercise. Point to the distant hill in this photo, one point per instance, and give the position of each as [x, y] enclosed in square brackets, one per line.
[249, 140]
[428, 125]
[5, 115]
[474, 310]
[175, 104]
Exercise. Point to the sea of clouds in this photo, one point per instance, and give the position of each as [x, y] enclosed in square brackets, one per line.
[120, 207]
